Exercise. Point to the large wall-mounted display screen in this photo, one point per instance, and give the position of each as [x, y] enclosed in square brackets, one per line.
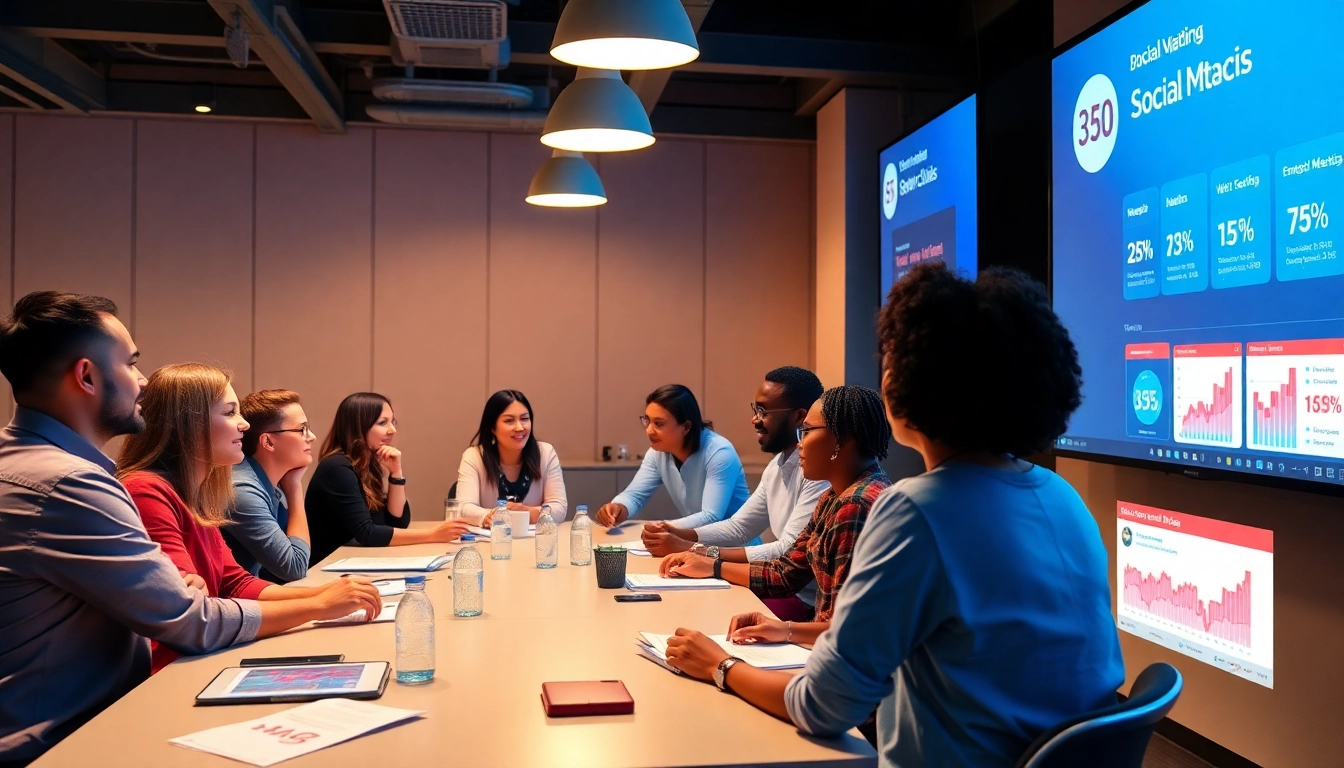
[1198, 166]
[928, 196]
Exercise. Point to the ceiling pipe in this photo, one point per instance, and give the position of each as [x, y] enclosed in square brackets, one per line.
[528, 120]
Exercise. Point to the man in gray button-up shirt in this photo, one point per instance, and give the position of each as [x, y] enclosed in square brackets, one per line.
[82, 586]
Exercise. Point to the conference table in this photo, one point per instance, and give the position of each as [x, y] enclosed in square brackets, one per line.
[484, 703]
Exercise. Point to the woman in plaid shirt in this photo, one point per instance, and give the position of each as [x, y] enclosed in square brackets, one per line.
[841, 441]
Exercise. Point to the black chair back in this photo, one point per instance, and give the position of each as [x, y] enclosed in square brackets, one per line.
[1113, 737]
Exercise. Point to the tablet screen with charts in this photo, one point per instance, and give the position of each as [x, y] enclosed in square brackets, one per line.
[306, 682]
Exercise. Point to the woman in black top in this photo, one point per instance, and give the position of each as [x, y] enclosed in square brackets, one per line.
[358, 492]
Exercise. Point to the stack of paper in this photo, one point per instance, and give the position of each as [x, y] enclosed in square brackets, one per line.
[379, 564]
[653, 647]
[293, 732]
[390, 587]
[484, 533]
[651, 582]
[389, 613]
[635, 548]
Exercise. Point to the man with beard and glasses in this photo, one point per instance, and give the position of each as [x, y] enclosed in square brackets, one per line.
[81, 584]
[783, 502]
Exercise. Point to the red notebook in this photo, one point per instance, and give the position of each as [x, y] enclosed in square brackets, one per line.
[598, 697]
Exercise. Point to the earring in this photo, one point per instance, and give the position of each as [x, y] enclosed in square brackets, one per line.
[492, 440]
[836, 455]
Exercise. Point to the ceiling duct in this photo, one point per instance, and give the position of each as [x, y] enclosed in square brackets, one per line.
[457, 34]
[464, 93]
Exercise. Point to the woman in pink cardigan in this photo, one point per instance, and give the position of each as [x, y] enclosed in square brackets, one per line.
[506, 461]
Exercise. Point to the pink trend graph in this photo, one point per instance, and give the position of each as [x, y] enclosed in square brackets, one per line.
[1211, 421]
[1274, 424]
[1229, 619]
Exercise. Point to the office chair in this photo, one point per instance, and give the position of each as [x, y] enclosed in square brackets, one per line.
[1113, 737]
[452, 490]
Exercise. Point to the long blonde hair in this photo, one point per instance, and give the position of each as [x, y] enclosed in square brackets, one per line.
[177, 406]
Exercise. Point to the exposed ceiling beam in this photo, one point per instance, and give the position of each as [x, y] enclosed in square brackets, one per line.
[813, 93]
[51, 72]
[365, 33]
[648, 84]
[277, 41]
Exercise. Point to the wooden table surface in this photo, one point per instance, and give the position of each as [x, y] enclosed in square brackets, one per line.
[484, 705]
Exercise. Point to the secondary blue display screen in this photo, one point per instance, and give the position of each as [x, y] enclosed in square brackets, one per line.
[928, 196]
[1198, 151]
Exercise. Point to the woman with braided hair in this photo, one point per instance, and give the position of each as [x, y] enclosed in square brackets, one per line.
[977, 611]
[841, 441]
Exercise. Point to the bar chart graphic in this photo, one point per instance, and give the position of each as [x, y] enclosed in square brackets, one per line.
[1228, 618]
[1206, 380]
[1273, 412]
[1199, 586]
[1295, 396]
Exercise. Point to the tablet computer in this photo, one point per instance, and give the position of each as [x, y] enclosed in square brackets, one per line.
[300, 682]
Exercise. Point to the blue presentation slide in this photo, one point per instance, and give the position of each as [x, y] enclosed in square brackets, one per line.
[928, 196]
[1198, 163]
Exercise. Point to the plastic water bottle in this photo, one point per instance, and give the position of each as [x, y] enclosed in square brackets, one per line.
[501, 532]
[415, 634]
[581, 537]
[468, 582]
[545, 540]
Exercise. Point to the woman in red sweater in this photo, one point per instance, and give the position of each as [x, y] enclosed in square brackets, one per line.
[177, 471]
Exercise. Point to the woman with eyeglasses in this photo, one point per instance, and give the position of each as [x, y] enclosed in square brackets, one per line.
[841, 441]
[699, 467]
[177, 472]
[267, 529]
[506, 461]
[358, 491]
[977, 614]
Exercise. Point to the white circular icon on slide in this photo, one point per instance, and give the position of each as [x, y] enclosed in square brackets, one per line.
[889, 191]
[1096, 121]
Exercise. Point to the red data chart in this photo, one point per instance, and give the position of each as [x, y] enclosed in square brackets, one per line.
[1294, 396]
[1199, 586]
[1228, 618]
[1206, 379]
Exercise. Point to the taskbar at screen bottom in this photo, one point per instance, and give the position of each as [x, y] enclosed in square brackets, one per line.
[1251, 464]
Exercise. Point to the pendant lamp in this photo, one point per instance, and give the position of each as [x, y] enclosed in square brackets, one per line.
[597, 113]
[624, 34]
[566, 180]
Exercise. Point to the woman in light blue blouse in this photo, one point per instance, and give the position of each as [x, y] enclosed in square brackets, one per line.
[699, 467]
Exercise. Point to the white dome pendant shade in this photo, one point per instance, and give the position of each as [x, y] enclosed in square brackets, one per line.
[625, 34]
[597, 113]
[567, 180]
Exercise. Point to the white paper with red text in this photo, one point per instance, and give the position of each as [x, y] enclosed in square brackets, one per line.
[293, 732]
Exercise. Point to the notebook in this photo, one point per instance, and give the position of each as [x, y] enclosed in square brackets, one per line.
[484, 533]
[653, 646]
[379, 564]
[651, 582]
[635, 548]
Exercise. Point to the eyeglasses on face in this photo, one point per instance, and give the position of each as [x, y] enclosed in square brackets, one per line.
[803, 430]
[302, 429]
[760, 412]
[658, 425]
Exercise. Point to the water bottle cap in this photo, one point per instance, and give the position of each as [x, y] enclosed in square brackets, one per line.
[468, 537]
[415, 579]
[582, 508]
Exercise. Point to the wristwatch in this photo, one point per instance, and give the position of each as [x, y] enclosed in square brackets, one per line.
[712, 552]
[721, 672]
[396, 481]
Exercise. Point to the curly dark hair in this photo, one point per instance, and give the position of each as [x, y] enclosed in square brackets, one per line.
[801, 387]
[978, 366]
[855, 413]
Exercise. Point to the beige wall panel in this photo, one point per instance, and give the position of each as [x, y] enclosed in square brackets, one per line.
[430, 298]
[6, 239]
[650, 284]
[193, 245]
[313, 265]
[73, 208]
[758, 279]
[542, 300]
[829, 304]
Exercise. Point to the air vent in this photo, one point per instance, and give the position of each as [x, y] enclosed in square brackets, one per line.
[456, 34]
[448, 21]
